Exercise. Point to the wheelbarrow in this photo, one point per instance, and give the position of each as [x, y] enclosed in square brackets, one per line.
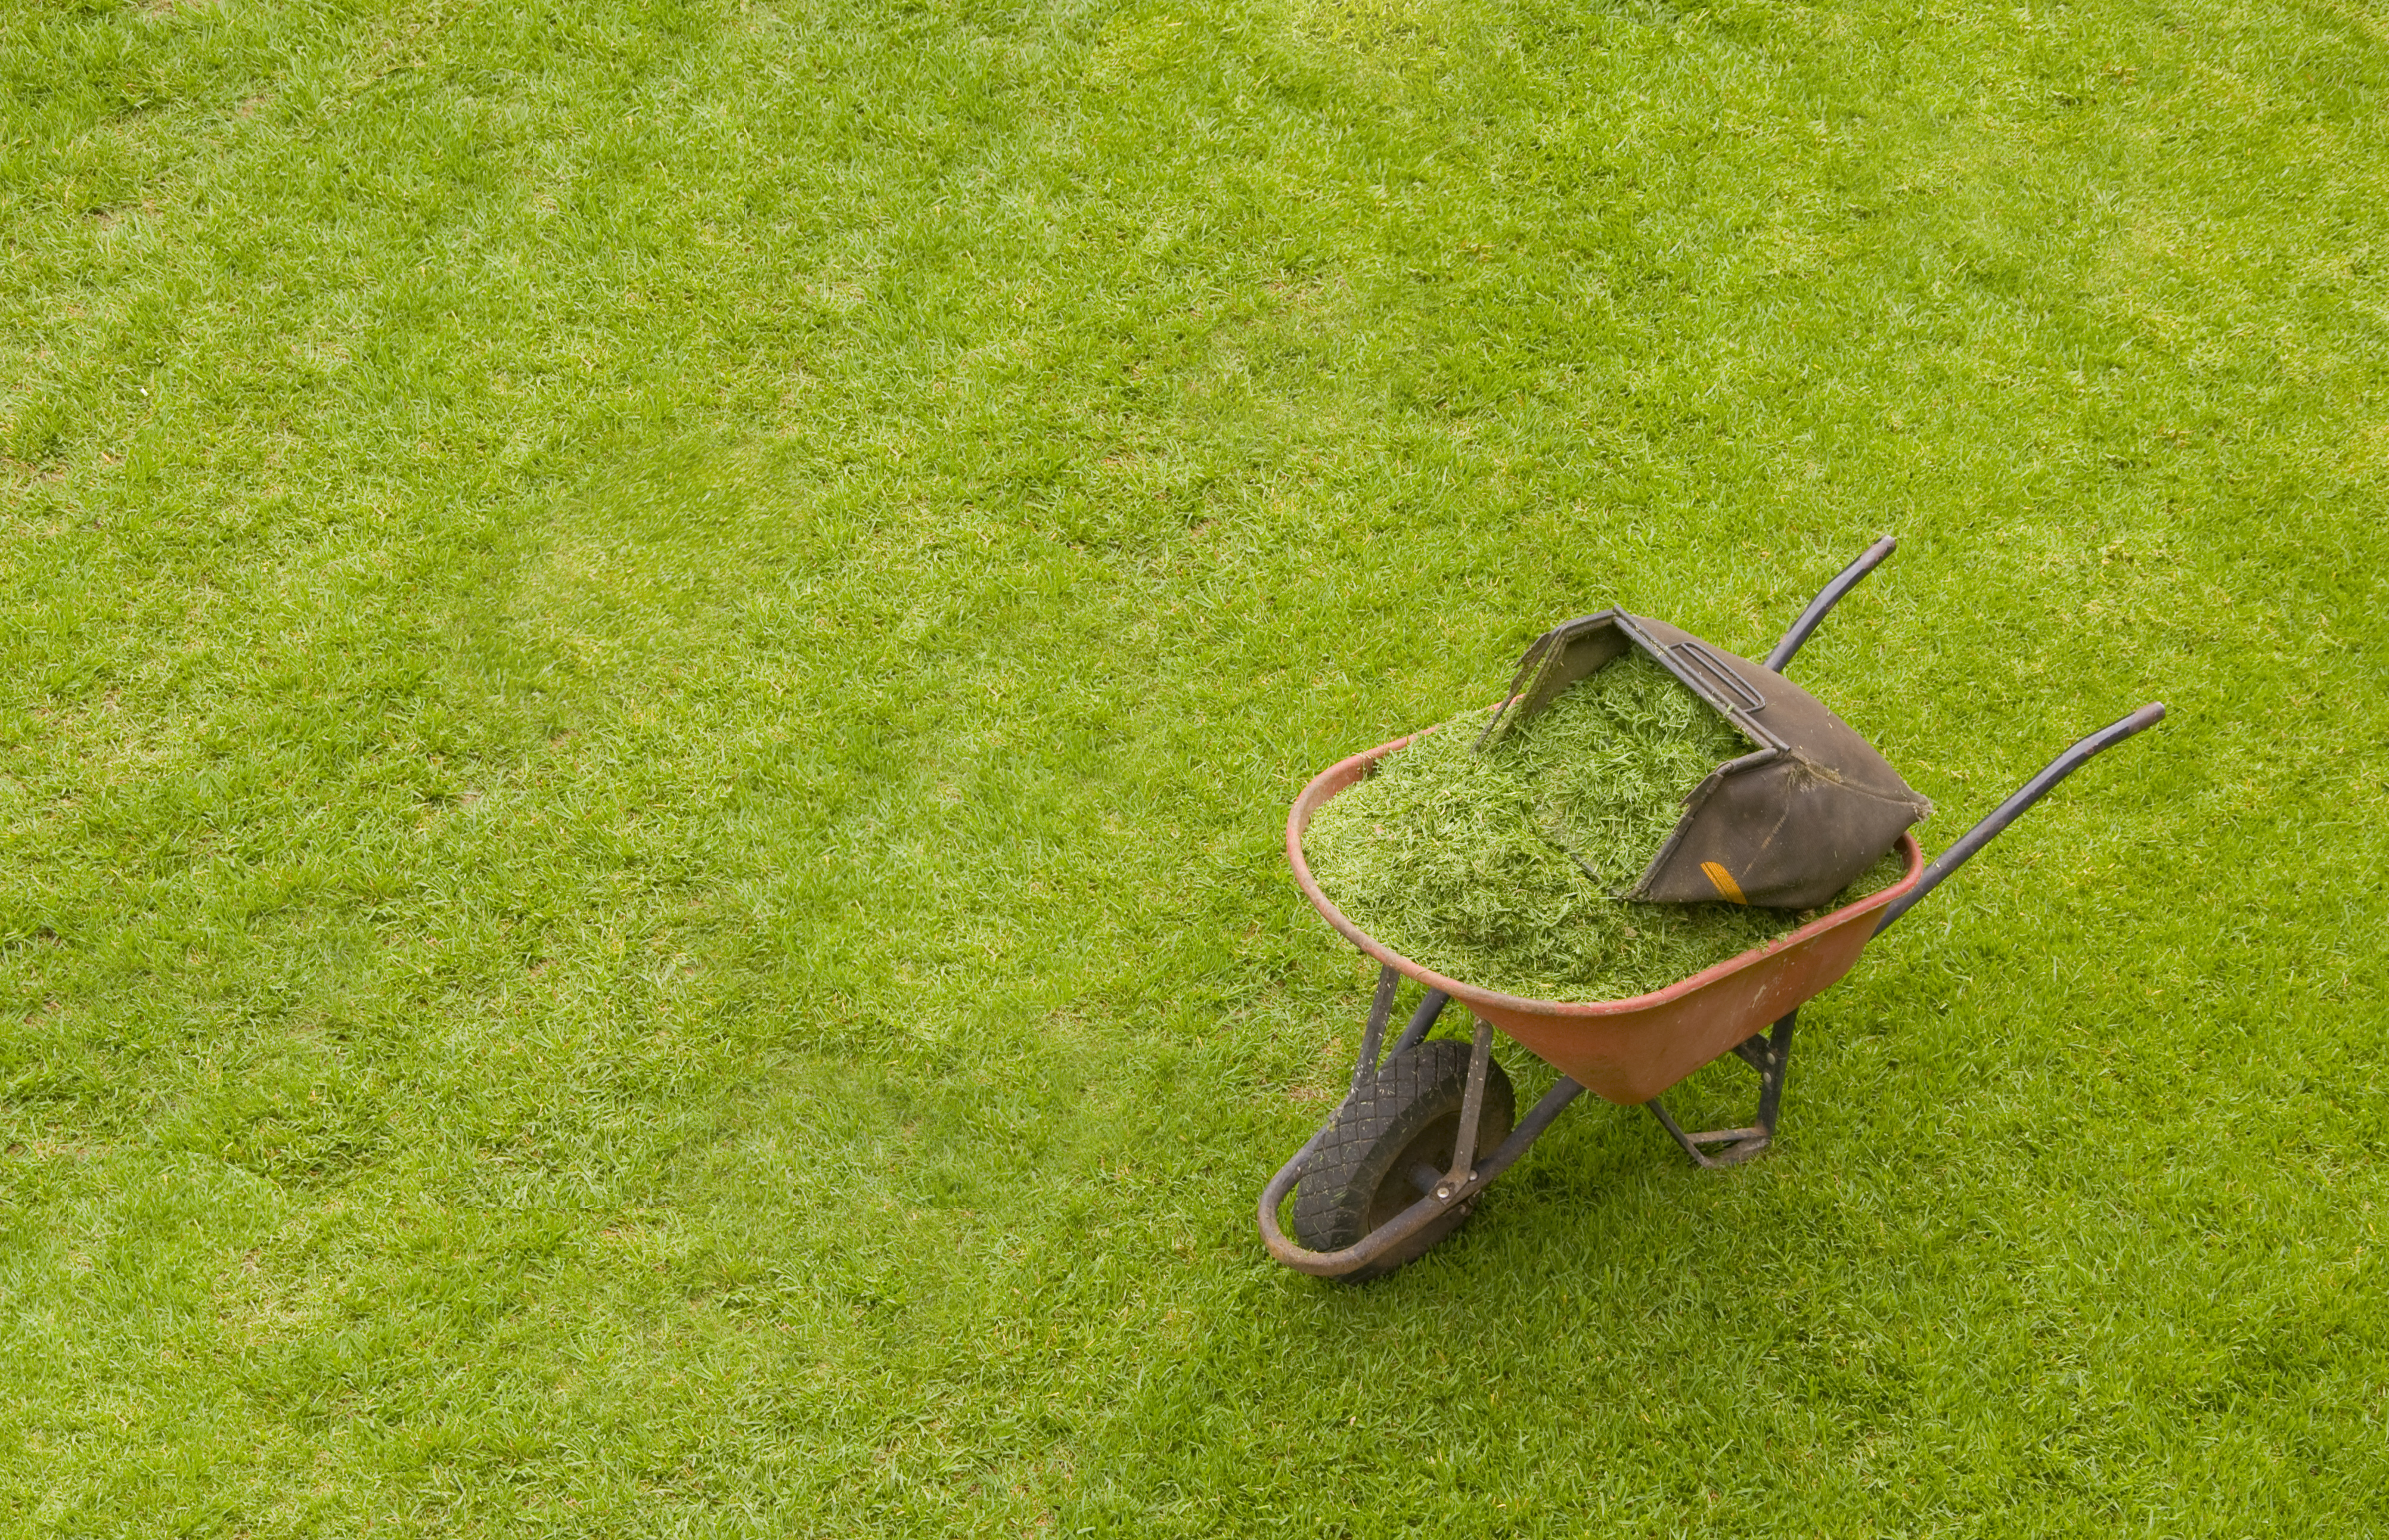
[1422, 1132]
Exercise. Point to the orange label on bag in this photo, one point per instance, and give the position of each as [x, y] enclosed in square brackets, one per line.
[1725, 886]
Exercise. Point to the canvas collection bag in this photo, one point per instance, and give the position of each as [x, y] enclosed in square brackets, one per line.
[1787, 825]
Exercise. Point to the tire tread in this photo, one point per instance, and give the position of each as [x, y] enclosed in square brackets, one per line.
[1380, 1117]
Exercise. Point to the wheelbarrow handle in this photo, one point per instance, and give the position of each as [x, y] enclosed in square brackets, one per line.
[2013, 808]
[1823, 603]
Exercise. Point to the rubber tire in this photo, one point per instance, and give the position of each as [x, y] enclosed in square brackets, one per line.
[1405, 1113]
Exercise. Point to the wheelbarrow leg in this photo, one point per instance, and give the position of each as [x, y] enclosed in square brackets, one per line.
[1769, 1054]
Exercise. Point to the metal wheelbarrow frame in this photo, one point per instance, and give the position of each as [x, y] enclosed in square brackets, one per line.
[1628, 1051]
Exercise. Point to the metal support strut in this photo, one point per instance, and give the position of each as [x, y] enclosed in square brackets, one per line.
[1374, 1035]
[1769, 1053]
[1374, 1054]
[1472, 1112]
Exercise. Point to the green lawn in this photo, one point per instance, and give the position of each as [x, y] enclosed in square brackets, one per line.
[653, 654]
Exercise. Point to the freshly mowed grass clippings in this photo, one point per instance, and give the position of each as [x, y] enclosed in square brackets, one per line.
[1501, 868]
[1611, 761]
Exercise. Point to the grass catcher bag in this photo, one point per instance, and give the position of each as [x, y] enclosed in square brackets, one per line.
[1787, 825]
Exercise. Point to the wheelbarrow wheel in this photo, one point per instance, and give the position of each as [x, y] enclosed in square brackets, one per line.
[1389, 1144]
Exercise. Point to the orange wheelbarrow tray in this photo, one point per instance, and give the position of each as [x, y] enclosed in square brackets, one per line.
[1628, 1051]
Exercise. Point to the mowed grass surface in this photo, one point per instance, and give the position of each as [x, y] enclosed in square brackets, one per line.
[653, 656]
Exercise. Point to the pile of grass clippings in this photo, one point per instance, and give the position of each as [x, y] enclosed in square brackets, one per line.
[1498, 868]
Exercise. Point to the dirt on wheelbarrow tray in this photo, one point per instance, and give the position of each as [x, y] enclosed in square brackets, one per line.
[1498, 868]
